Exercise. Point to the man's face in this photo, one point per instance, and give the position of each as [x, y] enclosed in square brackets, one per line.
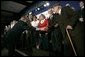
[55, 9]
[50, 11]
[30, 16]
[81, 4]
[41, 17]
[26, 17]
[34, 18]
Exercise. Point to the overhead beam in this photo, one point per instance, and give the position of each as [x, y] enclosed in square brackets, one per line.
[29, 1]
[28, 7]
[23, 3]
[34, 5]
[9, 11]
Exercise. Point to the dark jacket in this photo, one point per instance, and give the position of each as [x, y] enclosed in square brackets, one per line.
[16, 31]
[67, 17]
[78, 34]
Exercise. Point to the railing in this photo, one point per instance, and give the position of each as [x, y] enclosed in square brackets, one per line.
[20, 52]
[26, 36]
[23, 43]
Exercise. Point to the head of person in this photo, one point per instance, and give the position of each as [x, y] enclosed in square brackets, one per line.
[56, 7]
[34, 18]
[30, 17]
[81, 4]
[50, 11]
[14, 21]
[24, 17]
[42, 17]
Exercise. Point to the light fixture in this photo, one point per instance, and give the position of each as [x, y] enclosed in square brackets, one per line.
[38, 8]
[67, 4]
[30, 12]
[44, 5]
[47, 4]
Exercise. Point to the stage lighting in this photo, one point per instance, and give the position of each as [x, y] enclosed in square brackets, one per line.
[30, 12]
[38, 8]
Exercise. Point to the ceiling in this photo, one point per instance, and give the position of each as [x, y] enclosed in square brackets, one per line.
[10, 8]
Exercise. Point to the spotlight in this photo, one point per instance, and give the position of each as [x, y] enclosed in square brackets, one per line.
[30, 12]
[44, 5]
[47, 4]
[67, 4]
[38, 8]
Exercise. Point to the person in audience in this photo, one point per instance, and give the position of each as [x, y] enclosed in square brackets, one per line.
[78, 30]
[15, 34]
[35, 37]
[13, 23]
[66, 20]
[35, 22]
[43, 28]
[50, 12]
[55, 32]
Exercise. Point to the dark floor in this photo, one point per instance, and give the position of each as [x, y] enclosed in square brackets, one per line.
[36, 52]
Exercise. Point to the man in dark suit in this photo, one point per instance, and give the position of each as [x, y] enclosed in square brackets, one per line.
[78, 31]
[14, 34]
[55, 34]
[65, 20]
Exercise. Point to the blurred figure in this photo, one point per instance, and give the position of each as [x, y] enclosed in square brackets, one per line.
[55, 32]
[43, 27]
[13, 23]
[6, 30]
[67, 19]
[14, 34]
[8, 27]
[4, 38]
[81, 19]
[43, 24]
[78, 32]
[30, 17]
[50, 12]
[35, 22]
[35, 37]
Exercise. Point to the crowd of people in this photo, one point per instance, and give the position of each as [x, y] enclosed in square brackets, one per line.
[48, 33]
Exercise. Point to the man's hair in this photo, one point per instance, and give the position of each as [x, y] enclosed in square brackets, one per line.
[43, 15]
[24, 15]
[57, 4]
[34, 16]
